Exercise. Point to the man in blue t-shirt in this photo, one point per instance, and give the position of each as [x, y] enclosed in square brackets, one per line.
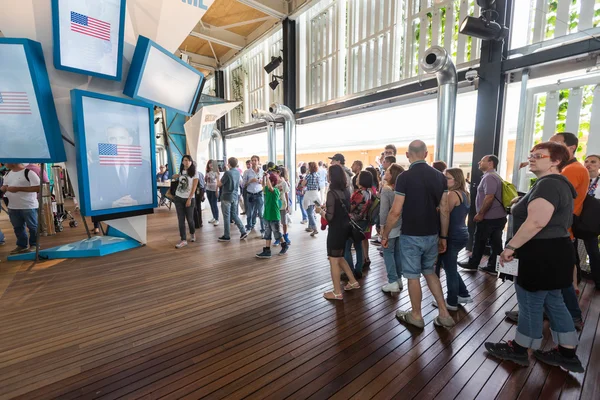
[420, 191]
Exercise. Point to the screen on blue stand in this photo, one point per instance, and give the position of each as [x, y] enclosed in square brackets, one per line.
[29, 130]
[115, 148]
[88, 36]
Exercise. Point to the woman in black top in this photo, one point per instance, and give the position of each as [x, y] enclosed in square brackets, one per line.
[546, 259]
[336, 213]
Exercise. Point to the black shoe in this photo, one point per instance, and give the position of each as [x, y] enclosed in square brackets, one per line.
[554, 358]
[467, 266]
[243, 235]
[284, 248]
[266, 253]
[489, 270]
[506, 351]
[224, 239]
[358, 275]
[367, 264]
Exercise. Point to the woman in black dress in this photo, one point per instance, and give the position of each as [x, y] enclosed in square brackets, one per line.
[336, 213]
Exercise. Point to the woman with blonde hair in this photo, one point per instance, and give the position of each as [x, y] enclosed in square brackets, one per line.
[458, 235]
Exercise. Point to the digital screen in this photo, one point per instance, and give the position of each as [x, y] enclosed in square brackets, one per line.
[89, 35]
[22, 134]
[166, 81]
[118, 146]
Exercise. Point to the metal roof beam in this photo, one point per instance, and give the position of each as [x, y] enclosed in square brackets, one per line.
[274, 8]
[221, 37]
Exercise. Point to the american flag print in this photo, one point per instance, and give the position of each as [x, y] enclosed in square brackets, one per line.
[119, 154]
[14, 103]
[90, 26]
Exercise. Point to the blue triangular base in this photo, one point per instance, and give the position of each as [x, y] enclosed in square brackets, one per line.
[95, 247]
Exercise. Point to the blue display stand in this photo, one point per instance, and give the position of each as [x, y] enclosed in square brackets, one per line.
[95, 247]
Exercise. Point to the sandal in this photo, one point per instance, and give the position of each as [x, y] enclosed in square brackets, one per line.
[406, 317]
[332, 296]
[351, 286]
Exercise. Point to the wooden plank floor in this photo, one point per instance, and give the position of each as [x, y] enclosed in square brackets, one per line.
[212, 321]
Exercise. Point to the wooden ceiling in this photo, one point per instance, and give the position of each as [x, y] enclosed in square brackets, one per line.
[228, 12]
[202, 47]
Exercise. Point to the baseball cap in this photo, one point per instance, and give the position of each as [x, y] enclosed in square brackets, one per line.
[338, 157]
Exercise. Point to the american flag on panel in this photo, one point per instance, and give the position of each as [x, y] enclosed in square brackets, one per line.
[14, 103]
[90, 26]
[119, 154]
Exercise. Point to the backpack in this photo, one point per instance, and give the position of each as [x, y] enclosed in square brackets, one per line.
[587, 225]
[373, 213]
[300, 190]
[509, 192]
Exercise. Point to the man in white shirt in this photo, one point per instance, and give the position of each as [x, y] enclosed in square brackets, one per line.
[21, 187]
[322, 173]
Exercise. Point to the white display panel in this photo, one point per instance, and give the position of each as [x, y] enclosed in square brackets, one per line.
[168, 82]
[21, 130]
[89, 35]
[117, 138]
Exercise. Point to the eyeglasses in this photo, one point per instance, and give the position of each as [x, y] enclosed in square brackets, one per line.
[538, 156]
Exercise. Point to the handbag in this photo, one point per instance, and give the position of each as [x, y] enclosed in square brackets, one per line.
[172, 189]
[358, 233]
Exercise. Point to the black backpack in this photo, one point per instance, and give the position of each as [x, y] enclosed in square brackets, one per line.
[587, 225]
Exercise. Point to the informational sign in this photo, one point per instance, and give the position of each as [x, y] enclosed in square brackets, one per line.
[158, 77]
[29, 130]
[88, 36]
[115, 148]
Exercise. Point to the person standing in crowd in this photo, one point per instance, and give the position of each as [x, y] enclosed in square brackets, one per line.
[37, 168]
[211, 191]
[300, 190]
[272, 214]
[311, 182]
[420, 191]
[387, 161]
[254, 206]
[21, 187]
[229, 185]
[339, 159]
[360, 203]
[322, 172]
[340, 230]
[440, 166]
[185, 198]
[592, 164]
[200, 197]
[163, 174]
[245, 189]
[389, 151]
[284, 192]
[391, 254]
[458, 235]
[546, 257]
[490, 218]
[373, 217]
[356, 167]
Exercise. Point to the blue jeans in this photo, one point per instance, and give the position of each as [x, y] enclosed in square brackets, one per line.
[359, 254]
[572, 302]
[212, 201]
[2, 238]
[272, 227]
[419, 254]
[21, 218]
[230, 211]
[312, 223]
[531, 318]
[299, 200]
[456, 286]
[254, 208]
[393, 260]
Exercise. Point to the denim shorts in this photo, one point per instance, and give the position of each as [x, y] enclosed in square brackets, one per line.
[418, 254]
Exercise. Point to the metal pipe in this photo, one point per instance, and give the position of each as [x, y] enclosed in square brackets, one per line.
[271, 132]
[436, 60]
[289, 143]
[214, 147]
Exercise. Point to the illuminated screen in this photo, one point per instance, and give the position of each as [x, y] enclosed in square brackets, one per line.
[117, 141]
[89, 35]
[22, 134]
[168, 82]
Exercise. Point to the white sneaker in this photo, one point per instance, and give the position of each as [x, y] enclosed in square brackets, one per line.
[448, 306]
[391, 287]
[216, 223]
[181, 244]
[464, 300]
[211, 221]
[193, 238]
[304, 222]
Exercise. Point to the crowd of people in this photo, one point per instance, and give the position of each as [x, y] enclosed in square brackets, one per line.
[416, 218]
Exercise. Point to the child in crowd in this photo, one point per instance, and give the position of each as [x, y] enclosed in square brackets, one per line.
[272, 215]
[284, 189]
